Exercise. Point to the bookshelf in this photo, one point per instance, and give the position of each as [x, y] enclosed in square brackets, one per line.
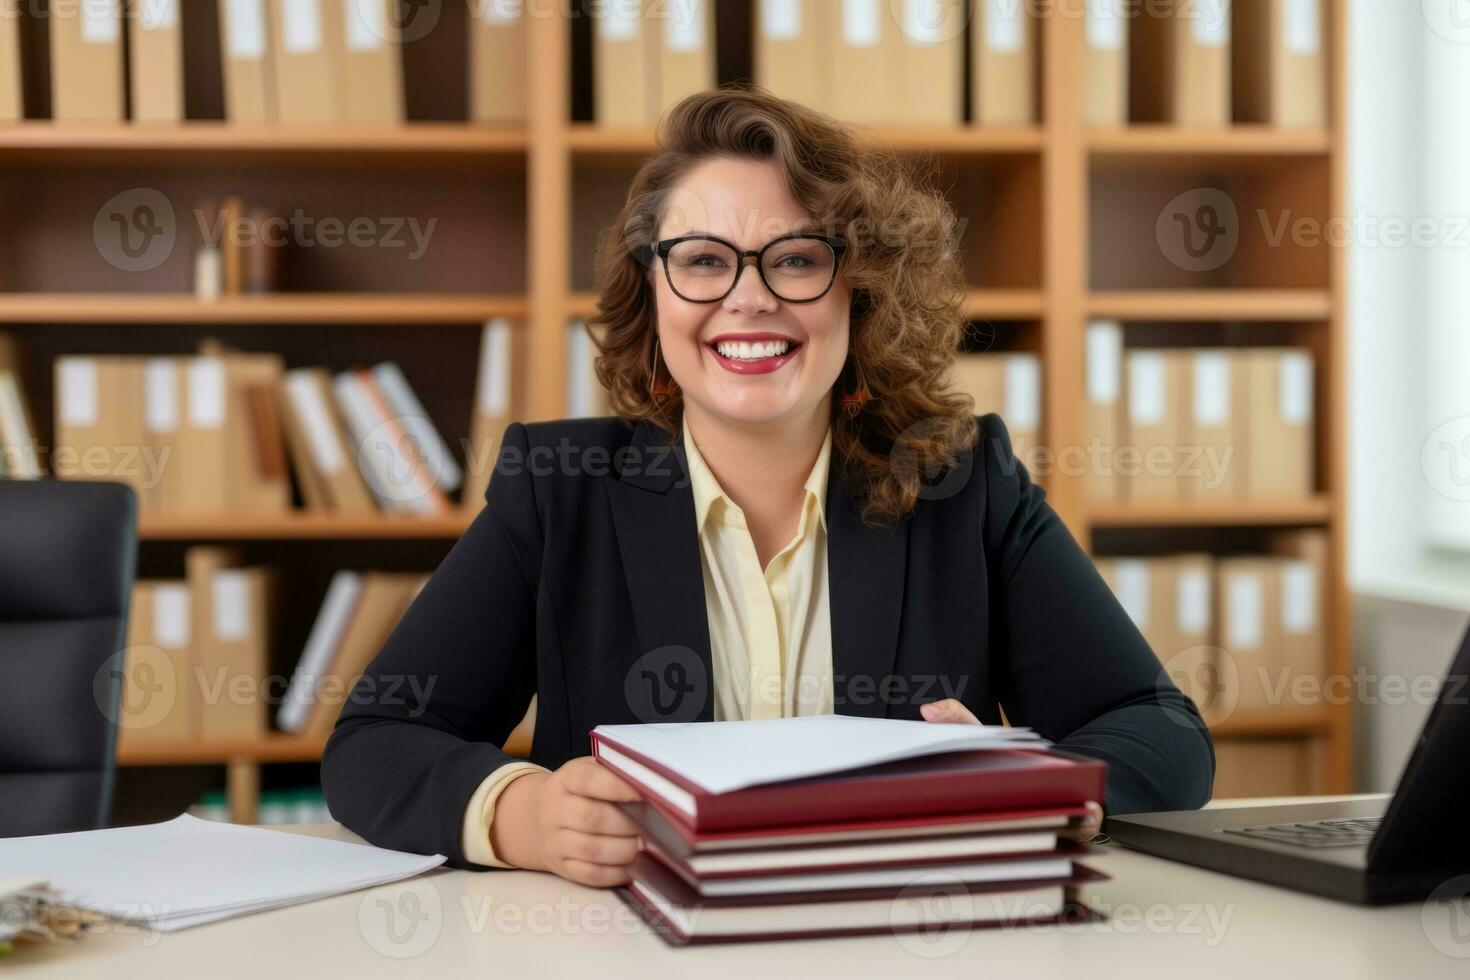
[523, 205]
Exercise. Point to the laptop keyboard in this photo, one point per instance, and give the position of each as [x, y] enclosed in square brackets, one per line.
[1354, 832]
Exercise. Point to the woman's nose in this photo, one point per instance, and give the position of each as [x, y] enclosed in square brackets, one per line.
[750, 294]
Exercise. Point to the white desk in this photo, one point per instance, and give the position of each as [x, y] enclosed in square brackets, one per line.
[1167, 920]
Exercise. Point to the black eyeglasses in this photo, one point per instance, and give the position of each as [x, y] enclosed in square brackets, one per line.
[796, 268]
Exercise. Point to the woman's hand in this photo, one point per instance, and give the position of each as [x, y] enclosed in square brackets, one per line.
[567, 822]
[953, 712]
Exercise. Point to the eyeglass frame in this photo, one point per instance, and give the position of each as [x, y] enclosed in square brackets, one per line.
[662, 248]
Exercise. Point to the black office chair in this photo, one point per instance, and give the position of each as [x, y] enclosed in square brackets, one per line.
[67, 557]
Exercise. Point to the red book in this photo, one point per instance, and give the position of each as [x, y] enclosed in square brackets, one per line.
[927, 786]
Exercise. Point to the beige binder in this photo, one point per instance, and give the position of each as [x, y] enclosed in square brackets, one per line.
[371, 62]
[1279, 71]
[930, 85]
[1003, 83]
[164, 396]
[202, 449]
[792, 55]
[586, 396]
[12, 105]
[99, 420]
[686, 51]
[306, 60]
[1191, 660]
[1103, 410]
[1248, 604]
[498, 66]
[231, 607]
[160, 698]
[1105, 83]
[1212, 463]
[1182, 60]
[86, 60]
[1253, 767]
[1009, 385]
[245, 52]
[156, 60]
[625, 78]
[495, 407]
[865, 58]
[1279, 424]
[1155, 401]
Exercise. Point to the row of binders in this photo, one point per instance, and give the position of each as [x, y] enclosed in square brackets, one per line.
[1185, 423]
[1206, 62]
[1008, 384]
[836, 825]
[295, 62]
[198, 659]
[1237, 633]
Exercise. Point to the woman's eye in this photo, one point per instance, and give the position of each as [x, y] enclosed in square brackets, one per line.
[801, 261]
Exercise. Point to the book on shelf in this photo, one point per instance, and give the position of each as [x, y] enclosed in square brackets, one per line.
[500, 357]
[306, 60]
[371, 63]
[19, 458]
[1009, 384]
[858, 815]
[87, 80]
[1003, 85]
[791, 51]
[246, 55]
[1279, 72]
[1181, 56]
[1105, 79]
[498, 78]
[321, 452]
[156, 61]
[394, 465]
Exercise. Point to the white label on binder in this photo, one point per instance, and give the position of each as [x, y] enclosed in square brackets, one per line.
[367, 24]
[207, 393]
[1298, 597]
[1147, 386]
[77, 379]
[1296, 387]
[158, 15]
[1106, 27]
[245, 29]
[301, 26]
[500, 11]
[320, 434]
[1131, 575]
[684, 26]
[781, 19]
[1192, 601]
[619, 20]
[1211, 388]
[1104, 362]
[1003, 25]
[1023, 392]
[171, 615]
[160, 395]
[231, 597]
[860, 24]
[1244, 625]
[495, 368]
[922, 20]
[99, 21]
[1303, 27]
[1209, 22]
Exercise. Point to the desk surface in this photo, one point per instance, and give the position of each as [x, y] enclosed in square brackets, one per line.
[1166, 920]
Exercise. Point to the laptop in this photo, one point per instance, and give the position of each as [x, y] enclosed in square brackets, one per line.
[1370, 851]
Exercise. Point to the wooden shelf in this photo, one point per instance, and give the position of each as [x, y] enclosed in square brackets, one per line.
[1242, 140]
[270, 747]
[301, 527]
[1210, 304]
[42, 140]
[592, 140]
[1003, 304]
[1211, 513]
[148, 309]
[1270, 723]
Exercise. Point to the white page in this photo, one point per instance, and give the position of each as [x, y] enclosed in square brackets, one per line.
[722, 756]
[186, 870]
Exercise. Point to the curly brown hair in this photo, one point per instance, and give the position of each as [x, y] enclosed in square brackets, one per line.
[902, 263]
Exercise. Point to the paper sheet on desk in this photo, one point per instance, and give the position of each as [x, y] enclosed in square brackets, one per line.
[722, 756]
[186, 871]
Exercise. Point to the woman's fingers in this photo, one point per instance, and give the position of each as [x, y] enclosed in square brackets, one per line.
[597, 817]
[588, 777]
[596, 875]
[948, 711]
[597, 848]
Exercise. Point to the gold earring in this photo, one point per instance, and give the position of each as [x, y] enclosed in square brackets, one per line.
[854, 401]
[661, 390]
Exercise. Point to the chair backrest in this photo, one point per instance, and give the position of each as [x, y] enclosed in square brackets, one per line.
[67, 556]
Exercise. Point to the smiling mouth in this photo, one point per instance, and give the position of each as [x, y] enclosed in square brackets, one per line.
[753, 350]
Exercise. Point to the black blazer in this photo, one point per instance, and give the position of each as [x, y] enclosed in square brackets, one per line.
[580, 581]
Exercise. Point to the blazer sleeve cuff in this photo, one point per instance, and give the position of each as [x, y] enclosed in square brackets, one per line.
[475, 835]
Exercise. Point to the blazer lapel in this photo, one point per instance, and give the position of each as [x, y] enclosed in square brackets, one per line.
[865, 577]
[653, 511]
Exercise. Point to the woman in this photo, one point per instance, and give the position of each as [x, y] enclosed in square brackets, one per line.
[791, 515]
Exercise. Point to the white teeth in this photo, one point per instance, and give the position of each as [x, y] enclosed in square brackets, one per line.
[744, 350]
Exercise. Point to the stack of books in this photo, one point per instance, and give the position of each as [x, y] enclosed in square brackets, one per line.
[835, 826]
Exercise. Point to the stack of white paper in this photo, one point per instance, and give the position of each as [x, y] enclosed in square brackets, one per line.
[186, 871]
[722, 756]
